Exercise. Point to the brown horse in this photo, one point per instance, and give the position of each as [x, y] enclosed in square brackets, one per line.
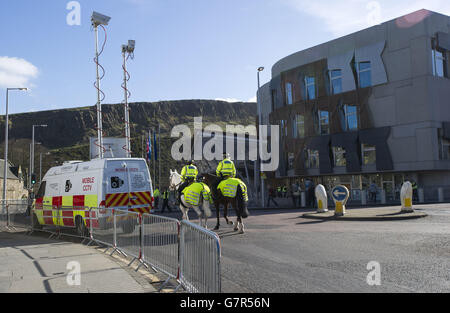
[237, 203]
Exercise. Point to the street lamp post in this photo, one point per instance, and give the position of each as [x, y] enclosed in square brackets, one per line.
[5, 171]
[260, 69]
[32, 152]
[40, 166]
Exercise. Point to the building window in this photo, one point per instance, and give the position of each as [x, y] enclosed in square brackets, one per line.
[369, 155]
[336, 81]
[339, 156]
[311, 158]
[289, 95]
[365, 74]
[324, 123]
[439, 61]
[350, 117]
[298, 128]
[291, 158]
[444, 148]
[310, 84]
[283, 128]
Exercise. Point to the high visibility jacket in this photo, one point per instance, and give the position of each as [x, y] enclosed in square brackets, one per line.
[193, 192]
[414, 185]
[284, 189]
[156, 193]
[226, 168]
[189, 171]
[229, 187]
[166, 195]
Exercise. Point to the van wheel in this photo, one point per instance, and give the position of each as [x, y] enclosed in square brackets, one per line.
[36, 224]
[81, 227]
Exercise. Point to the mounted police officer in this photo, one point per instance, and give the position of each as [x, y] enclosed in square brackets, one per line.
[188, 175]
[225, 169]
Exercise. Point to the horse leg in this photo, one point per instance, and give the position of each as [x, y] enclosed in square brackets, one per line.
[225, 214]
[240, 225]
[217, 205]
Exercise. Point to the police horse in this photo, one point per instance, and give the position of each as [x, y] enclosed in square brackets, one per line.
[202, 209]
[238, 203]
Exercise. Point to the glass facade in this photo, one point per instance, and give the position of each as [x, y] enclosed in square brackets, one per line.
[289, 95]
[324, 123]
[339, 156]
[311, 158]
[365, 74]
[310, 83]
[351, 118]
[369, 155]
[336, 81]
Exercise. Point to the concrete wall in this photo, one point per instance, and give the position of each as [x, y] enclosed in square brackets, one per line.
[405, 94]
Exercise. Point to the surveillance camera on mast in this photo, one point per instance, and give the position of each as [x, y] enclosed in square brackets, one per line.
[99, 19]
[130, 47]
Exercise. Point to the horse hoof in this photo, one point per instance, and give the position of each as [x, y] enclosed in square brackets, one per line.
[216, 228]
[230, 223]
[235, 229]
[241, 232]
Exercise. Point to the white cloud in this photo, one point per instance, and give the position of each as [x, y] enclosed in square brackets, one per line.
[253, 99]
[344, 17]
[228, 99]
[16, 72]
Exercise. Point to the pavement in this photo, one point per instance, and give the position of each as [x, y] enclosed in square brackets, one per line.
[368, 214]
[35, 264]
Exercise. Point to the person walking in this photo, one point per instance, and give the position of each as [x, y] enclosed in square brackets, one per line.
[295, 193]
[165, 197]
[311, 195]
[156, 196]
[373, 192]
[271, 197]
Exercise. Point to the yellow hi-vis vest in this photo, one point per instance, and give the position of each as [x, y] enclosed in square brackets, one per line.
[192, 193]
[226, 168]
[189, 171]
[229, 187]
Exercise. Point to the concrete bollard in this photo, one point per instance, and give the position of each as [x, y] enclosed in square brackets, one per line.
[303, 199]
[406, 194]
[363, 197]
[322, 199]
[441, 194]
[383, 196]
[421, 195]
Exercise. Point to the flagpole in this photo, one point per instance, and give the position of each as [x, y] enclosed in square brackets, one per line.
[154, 151]
[159, 159]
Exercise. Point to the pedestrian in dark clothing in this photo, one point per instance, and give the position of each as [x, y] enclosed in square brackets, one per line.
[271, 197]
[165, 201]
[312, 196]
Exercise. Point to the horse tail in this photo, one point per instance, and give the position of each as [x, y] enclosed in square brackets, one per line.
[242, 202]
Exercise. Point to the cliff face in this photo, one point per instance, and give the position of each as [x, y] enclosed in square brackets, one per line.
[68, 131]
[70, 127]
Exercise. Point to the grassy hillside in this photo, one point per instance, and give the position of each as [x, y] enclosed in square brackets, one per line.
[68, 131]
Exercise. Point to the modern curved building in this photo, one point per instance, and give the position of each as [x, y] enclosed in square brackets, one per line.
[373, 106]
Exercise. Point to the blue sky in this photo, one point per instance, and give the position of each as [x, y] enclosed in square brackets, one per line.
[185, 49]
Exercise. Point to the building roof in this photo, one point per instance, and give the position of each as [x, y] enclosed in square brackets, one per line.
[9, 174]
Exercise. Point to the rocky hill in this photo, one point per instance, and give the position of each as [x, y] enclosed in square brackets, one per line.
[68, 131]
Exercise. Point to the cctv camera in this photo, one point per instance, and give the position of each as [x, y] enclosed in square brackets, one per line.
[131, 45]
[99, 19]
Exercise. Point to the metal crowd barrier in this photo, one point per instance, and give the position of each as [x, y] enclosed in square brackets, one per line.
[161, 244]
[183, 251]
[200, 254]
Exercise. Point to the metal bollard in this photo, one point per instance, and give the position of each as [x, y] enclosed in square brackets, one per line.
[441, 194]
[383, 196]
[363, 197]
[421, 195]
[303, 199]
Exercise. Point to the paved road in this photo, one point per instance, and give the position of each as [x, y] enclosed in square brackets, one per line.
[283, 252]
[35, 264]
